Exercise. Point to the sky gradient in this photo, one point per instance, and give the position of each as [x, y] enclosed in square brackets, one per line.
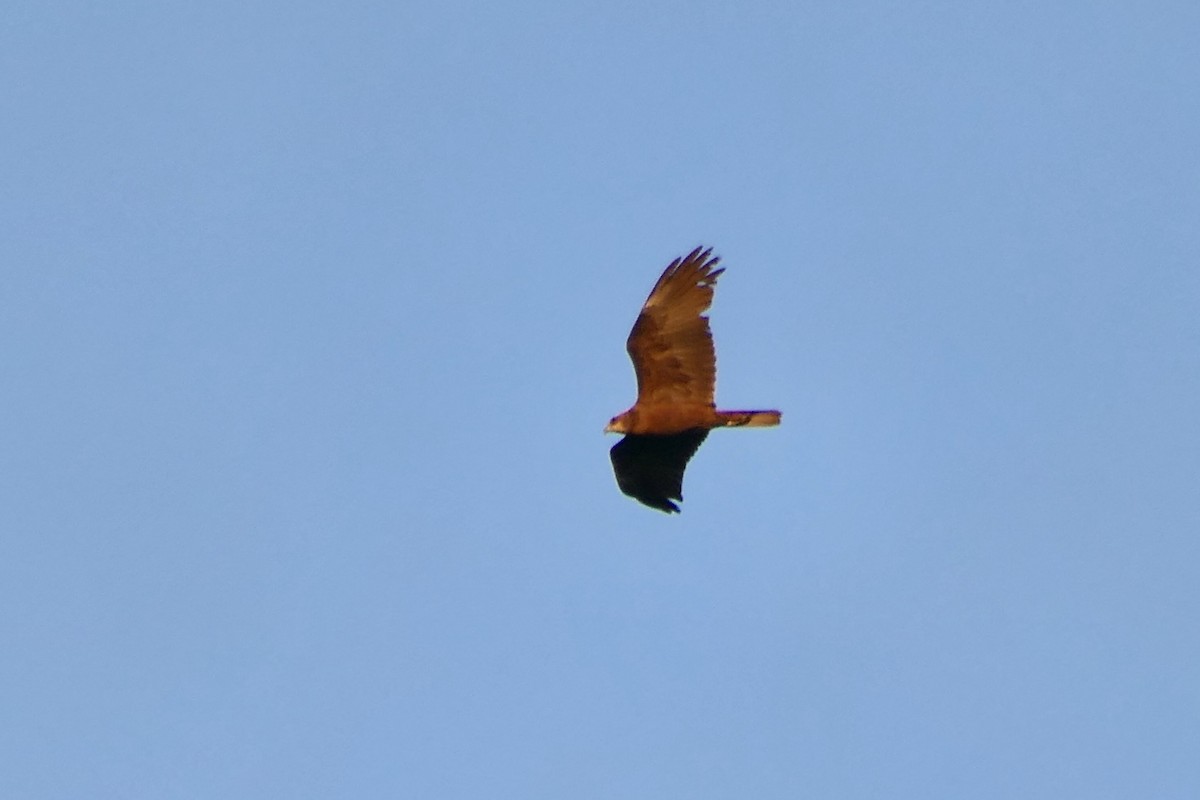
[312, 315]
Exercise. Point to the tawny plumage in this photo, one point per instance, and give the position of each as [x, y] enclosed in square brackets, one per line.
[672, 352]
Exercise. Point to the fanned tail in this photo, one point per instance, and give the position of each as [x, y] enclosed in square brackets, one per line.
[749, 419]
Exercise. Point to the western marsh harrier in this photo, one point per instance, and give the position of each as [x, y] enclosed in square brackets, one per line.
[672, 351]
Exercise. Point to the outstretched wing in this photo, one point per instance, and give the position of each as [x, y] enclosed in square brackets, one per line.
[650, 468]
[671, 345]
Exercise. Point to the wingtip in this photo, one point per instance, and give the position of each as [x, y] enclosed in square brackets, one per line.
[700, 263]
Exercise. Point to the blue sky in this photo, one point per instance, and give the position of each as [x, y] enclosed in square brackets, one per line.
[312, 315]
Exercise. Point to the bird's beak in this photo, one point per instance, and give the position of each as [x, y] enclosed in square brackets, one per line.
[609, 428]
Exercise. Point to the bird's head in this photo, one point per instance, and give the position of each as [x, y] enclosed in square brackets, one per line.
[618, 424]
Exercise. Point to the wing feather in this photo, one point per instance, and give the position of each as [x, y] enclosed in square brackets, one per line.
[671, 344]
[649, 468]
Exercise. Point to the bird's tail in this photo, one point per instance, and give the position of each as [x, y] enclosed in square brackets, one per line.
[749, 419]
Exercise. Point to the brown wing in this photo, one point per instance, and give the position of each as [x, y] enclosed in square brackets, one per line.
[670, 344]
[650, 468]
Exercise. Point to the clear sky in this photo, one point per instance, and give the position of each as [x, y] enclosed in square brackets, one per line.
[312, 314]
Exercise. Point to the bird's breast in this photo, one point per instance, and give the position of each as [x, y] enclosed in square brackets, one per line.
[674, 418]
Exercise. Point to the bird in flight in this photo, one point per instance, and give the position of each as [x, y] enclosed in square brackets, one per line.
[672, 351]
